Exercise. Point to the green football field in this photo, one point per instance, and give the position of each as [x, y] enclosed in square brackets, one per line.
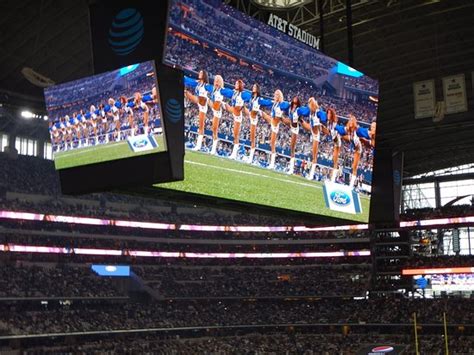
[102, 153]
[225, 178]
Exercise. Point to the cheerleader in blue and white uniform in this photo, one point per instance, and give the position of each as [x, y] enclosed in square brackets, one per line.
[54, 130]
[199, 97]
[71, 130]
[216, 103]
[126, 113]
[275, 117]
[295, 117]
[140, 109]
[348, 133]
[103, 125]
[329, 125]
[83, 129]
[235, 107]
[316, 115]
[253, 111]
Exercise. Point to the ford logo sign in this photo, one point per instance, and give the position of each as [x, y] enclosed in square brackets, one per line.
[340, 198]
[141, 143]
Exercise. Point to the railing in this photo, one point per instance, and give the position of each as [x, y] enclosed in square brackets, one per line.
[322, 328]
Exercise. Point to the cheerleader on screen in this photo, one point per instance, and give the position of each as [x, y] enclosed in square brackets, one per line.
[200, 97]
[216, 103]
[253, 111]
[274, 118]
[295, 114]
[236, 106]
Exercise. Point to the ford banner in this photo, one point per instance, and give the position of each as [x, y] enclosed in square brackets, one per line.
[341, 198]
[142, 143]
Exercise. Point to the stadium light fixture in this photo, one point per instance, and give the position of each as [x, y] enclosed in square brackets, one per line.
[27, 114]
[45, 117]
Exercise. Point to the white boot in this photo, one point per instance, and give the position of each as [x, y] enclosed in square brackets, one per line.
[234, 151]
[353, 180]
[334, 175]
[291, 167]
[199, 142]
[272, 161]
[214, 147]
[312, 171]
[252, 153]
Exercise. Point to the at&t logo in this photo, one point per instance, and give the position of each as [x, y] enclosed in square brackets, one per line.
[173, 110]
[126, 31]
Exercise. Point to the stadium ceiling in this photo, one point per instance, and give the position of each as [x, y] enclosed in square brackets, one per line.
[398, 42]
[280, 4]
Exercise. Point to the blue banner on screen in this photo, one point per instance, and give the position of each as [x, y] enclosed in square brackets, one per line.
[111, 270]
[341, 198]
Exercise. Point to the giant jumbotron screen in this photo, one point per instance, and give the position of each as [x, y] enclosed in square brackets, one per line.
[268, 119]
[109, 116]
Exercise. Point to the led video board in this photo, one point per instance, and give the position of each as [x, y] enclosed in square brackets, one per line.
[109, 116]
[111, 270]
[270, 121]
[112, 129]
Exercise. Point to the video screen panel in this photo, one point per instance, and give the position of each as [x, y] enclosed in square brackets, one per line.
[269, 120]
[111, 270]
[105, 117]
[446, 283]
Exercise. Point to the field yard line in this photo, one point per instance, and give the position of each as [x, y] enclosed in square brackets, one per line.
[254, 174]
[87, 150]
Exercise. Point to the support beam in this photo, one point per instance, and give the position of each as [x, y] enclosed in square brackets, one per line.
[350, 45]
[434, 179]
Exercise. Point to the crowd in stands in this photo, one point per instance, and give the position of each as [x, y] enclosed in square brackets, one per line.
[28, 175]
[274, 343]
[181, 261]
[49, 280]
[215, 23]
[27, 318]
[271, 281]
[327, 285]
[362, 83]
[111, 84]
[46, 280]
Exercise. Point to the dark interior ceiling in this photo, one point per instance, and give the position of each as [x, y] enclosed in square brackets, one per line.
[398, 42]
